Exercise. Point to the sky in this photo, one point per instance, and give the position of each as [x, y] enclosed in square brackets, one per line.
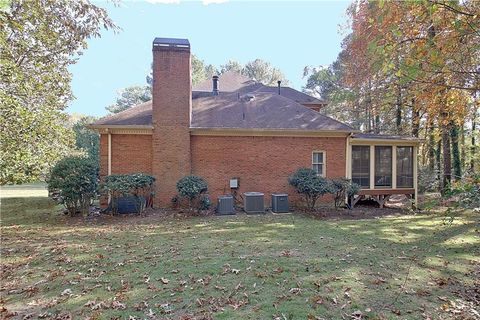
[290, 35]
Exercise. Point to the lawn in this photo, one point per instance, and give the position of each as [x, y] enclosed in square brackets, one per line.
[238, 267]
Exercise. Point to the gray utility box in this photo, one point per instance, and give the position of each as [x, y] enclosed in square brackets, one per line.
[253, 202]
[225, 205]
[280, 203]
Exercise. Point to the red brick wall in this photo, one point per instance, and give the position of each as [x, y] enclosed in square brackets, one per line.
[130, 153]
[171, 119]
[262, 163]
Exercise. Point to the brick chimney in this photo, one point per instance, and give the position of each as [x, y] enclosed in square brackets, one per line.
[171, 109]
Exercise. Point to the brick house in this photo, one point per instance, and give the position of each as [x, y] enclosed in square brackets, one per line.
[232, 126]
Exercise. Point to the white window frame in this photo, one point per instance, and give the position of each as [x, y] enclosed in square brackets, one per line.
[324, 163]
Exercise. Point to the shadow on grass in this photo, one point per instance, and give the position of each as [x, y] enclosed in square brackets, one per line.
[236, 267]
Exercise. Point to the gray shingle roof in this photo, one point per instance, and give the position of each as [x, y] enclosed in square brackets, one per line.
[135, 116]
[293, 94]
[228, 82]
[233, 110]
[262, 111]
[237, 111]
[233, 81]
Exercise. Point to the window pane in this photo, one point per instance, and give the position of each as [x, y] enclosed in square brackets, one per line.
[383, 166]
[318, 157]
[361, 165]
[318, 168]
[405, 167]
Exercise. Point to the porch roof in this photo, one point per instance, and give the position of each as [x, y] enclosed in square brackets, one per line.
[384, 138]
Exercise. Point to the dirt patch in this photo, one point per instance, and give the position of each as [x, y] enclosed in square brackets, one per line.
[161, 215]
[359, 212]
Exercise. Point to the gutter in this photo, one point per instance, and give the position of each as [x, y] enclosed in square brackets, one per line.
[110, 126]
[271, 132]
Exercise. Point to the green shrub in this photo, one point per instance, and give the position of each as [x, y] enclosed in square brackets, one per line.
[311, 186]
[123, 185]
[342, 188]
[205, 202]
[467, 190]
[191, 188]
[75, 179]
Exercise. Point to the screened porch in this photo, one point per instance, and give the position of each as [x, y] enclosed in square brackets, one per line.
[383, 166]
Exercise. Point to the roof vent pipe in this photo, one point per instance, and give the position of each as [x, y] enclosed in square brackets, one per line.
[279, 82]
[215, 85]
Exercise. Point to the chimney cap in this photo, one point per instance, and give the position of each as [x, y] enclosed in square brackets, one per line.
[171, 43]
[215, 77]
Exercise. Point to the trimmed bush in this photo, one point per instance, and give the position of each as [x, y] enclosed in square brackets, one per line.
[191, 188]
[75, 179]
[311, 186]
[138, 185]
[342, 188]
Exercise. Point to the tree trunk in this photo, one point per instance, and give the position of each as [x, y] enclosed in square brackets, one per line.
[463, 153]
[369, 117]
[473, 147]
[447, 156]
[438, 153]
[415, 120]
[457, 165]
[368, 106]
[399, 109]
[377, 123]
[431, 147]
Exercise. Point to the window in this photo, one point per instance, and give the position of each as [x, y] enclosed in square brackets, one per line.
[361, 165]
[405, 167]
[318, 162]
[383, 166]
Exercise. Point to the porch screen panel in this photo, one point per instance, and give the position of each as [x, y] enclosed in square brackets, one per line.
[405, 167]
[361, 165]
[383, 166]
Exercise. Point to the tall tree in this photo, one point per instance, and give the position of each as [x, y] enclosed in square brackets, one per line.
[39, 40]
[231, 65]
[129, 97]
[327, 83]
[413, 65]
[201, 71]
[87, 140]
[263, 72]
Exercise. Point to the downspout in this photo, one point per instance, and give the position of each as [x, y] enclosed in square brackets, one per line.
[109, 169]
[348, 164]
[109, 153]
[348, 156]
[415, 174]
[394, 167]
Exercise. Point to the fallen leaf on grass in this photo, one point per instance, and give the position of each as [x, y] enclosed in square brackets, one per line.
[378, 281]
[317, 300]
[164, 280]
[357, 315]
[286, 253]
[295, 290]
[66, 292]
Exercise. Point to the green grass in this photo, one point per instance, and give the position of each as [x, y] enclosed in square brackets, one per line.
[36, 189]
[239, 267]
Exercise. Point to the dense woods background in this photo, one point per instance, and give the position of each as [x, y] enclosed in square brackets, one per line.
[411, 68]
